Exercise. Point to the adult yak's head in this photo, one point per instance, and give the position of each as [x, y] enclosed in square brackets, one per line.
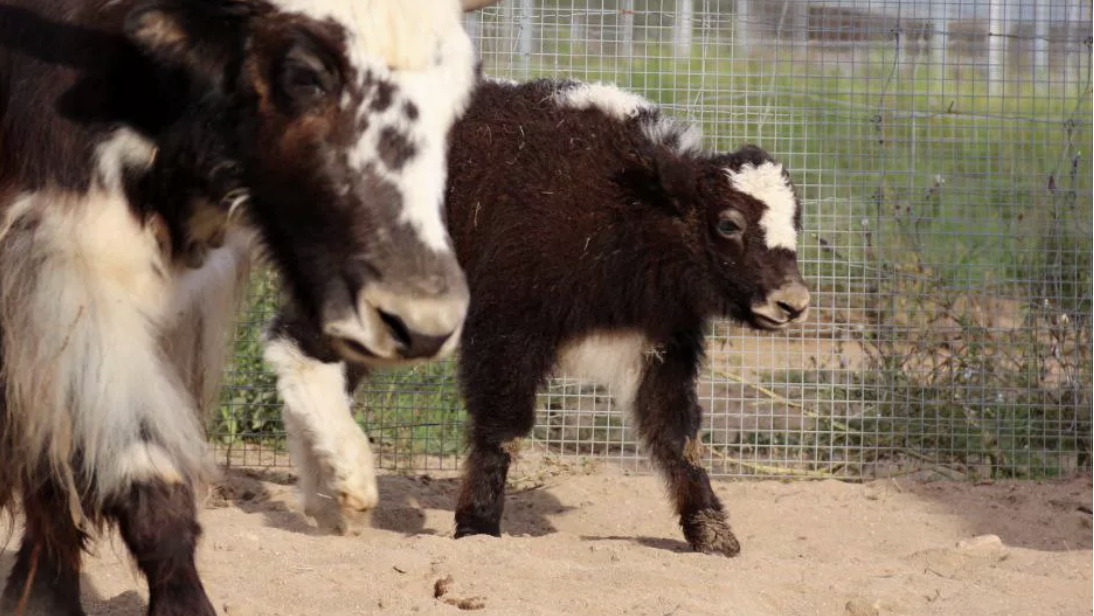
[331, 117]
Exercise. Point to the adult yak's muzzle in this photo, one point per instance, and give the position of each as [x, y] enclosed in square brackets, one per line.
[412, 311]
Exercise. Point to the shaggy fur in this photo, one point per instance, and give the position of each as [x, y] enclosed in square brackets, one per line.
[599, 240]
[145, 147]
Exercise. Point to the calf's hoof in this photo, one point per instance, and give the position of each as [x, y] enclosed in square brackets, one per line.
[473, 525]
[708, 532]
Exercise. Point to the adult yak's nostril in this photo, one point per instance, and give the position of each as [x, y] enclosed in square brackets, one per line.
[398, 329]
[424, 346]
[412, 345]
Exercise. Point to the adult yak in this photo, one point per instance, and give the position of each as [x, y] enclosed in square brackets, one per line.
[145, 147]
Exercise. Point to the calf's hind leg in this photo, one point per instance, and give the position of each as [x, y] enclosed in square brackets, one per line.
[669, 418]
[500, 392]
[45, 580]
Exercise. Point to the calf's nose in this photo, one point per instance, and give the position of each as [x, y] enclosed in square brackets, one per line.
[791, 300]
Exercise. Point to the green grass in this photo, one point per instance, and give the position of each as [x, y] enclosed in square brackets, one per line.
[922, 189]
[413, 411]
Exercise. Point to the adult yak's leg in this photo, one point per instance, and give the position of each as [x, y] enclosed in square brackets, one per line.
[45, 580]
[499, 376]
[669, 418]
[337, 479]
[86, 299]
[157, 521]
[156, 510]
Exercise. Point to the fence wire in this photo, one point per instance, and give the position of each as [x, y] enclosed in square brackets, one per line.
[943, 150]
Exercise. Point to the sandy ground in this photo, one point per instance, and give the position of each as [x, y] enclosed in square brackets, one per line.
[594, 540]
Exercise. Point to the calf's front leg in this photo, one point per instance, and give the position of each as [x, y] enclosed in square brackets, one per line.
[499, 384]
[669, 418]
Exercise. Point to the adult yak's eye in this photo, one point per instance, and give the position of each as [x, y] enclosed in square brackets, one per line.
[305, 78]
[303, 83]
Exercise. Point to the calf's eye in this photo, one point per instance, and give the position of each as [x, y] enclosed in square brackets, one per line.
[728, 227]
[731, 224]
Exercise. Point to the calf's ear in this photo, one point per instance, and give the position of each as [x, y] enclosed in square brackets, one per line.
[676, 176]
[198, 36]
[661, 175]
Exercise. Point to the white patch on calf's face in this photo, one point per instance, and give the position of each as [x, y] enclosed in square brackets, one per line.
[421, 49]
[614, 359]
[613, 101]
[767, 185]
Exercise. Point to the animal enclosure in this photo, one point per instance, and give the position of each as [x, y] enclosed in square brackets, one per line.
[943, 151]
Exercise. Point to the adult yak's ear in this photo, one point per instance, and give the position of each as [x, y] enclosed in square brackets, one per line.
[198, 36]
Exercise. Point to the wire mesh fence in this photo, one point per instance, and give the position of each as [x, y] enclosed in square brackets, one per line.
[942, 148]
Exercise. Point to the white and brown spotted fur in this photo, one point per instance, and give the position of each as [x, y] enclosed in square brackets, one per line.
[147, 149]
[599, 239]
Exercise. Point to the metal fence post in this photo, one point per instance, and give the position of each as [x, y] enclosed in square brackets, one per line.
[682, 31]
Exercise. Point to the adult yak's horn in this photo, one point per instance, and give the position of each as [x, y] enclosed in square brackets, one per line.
[474, 5]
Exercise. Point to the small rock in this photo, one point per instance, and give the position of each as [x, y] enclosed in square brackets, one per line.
[984, 546]
[861, 607]
[981, 542]
[441, 586]
[470, 603]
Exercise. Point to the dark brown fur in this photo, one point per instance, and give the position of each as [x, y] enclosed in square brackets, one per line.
[156, 522]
